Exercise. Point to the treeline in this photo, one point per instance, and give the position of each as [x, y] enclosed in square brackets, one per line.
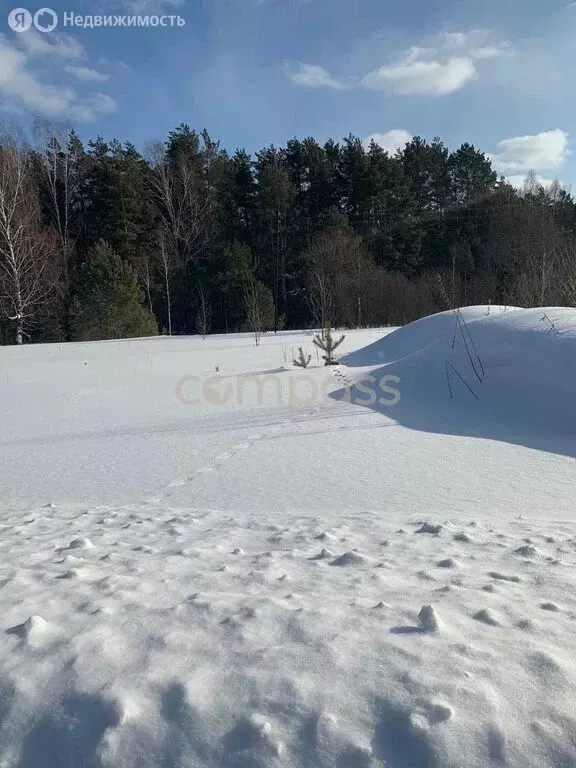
[100, 241]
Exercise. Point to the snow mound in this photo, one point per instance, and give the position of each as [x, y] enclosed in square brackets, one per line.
[502, 373]
[33, 628]
[324, 554]
[81, 544]
[415, 336]
[432, 528]
[526, 550]
[429, 618]
[486, 616]
[352, 559]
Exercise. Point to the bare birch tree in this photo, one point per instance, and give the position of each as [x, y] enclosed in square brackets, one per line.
[167, 260]
[321, 294]
[29, 260]
[253, 313]
[56, 164]
[184, 204]
[336, 283]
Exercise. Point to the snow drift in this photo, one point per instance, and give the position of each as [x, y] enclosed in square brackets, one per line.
[499, 372]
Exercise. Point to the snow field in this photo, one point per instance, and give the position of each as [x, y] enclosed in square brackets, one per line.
[168, 639]
[264, 584]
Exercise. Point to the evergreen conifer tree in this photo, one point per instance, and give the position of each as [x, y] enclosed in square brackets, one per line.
[107, 304]
[328, 345]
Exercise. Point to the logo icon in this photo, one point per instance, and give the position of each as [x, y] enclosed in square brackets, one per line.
[45, 20]
[20, 20]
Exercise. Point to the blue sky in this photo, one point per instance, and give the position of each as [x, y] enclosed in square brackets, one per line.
[496, 73]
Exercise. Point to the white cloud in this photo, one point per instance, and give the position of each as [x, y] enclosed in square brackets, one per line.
[438, 69]
[86, 73]
[456, 39]
[416, 53]
[20, 87]
[313, 76]
[59, 45]
[98, 104]
[391, 141]
[486, 52]
[523, 153]
[477, 44]
[422, 77]
[102, 103]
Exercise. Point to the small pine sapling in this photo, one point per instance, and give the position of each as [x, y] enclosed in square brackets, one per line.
[327, 343]
[303, 360]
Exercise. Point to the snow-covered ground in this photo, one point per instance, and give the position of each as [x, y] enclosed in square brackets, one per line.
[211, 558]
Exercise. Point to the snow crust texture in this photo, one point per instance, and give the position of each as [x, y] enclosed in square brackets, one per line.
[163, 647]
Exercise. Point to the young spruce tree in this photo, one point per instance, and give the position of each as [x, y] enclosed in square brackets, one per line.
[108, 304]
